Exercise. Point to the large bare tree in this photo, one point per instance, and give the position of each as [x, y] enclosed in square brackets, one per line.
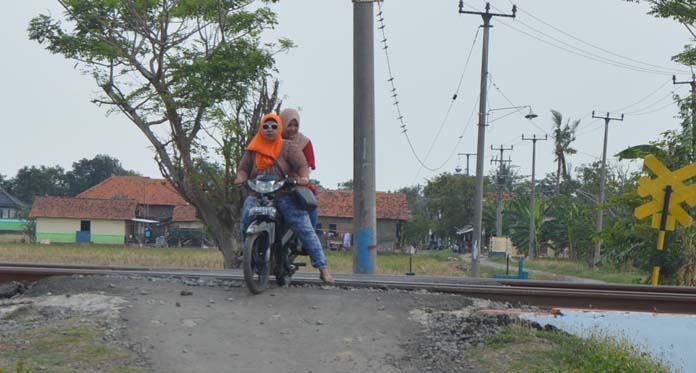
[190, 74]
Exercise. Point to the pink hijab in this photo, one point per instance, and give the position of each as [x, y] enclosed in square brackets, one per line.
[288, 115]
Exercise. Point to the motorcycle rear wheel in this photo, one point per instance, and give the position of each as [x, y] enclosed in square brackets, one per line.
[256, 265]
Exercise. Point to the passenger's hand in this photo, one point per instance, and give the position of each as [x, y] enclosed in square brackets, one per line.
[239, 180]
[303, 181]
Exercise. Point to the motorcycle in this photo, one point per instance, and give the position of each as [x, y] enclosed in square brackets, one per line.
[269, 245]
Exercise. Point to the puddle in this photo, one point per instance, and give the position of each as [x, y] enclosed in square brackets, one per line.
[669, 337]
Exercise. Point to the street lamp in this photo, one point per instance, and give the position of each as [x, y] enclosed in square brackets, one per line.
[531, 115]
[478, 197]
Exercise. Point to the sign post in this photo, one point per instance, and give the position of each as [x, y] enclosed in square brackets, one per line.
[668, 192]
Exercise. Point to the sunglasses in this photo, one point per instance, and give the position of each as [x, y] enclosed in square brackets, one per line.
[267, 126]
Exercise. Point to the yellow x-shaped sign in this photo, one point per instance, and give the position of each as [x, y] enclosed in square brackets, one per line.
[656, 188]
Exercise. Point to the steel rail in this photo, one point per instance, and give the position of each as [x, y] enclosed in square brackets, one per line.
[543, 294]
[421, 279]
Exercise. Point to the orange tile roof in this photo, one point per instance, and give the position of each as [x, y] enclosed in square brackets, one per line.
[83, 208]
[184, 213]
[142, 189]
[340, 204]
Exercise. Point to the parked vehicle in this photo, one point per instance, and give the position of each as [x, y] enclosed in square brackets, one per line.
[269, 246]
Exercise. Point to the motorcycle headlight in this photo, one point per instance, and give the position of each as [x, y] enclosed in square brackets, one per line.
[263, 186]
[263, 210]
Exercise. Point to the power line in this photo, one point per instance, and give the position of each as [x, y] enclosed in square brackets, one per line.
[669, 95]
[583, 53]
[651, 111]
[633, 104]
[598, 48]
[490, 77]
[394, 95]
[444, 121]
[642, 99]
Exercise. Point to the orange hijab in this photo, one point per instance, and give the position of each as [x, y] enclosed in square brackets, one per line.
[267, 151]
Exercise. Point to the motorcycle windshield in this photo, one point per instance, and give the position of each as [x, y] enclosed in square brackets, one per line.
[265, 184]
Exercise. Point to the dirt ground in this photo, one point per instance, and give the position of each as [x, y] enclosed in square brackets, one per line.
[175, 325]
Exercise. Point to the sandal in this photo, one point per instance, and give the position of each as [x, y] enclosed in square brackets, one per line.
[326, 277]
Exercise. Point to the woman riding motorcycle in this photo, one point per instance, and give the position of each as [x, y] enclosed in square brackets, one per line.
[267, 153]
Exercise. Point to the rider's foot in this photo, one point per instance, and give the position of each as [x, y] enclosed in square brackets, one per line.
[325, 276]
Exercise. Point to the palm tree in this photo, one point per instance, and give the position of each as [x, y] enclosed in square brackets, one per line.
[563, 136]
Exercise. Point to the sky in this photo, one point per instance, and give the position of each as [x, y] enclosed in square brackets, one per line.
[571, 56]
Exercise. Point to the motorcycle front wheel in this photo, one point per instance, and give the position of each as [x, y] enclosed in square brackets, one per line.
[256, 263]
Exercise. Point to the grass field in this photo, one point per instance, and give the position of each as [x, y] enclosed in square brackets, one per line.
[436, 263]
[581, 269]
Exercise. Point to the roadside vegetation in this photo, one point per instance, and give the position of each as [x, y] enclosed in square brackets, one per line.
[63, 347]
[429, 263]
[522, 349]
[580, 269]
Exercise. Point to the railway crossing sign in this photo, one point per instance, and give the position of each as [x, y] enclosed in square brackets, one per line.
[657, 188]
[668, 192]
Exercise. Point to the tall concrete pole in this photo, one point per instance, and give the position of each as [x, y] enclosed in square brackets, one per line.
[364, 195]
[532, 207]
[480, 150]
[602, 176]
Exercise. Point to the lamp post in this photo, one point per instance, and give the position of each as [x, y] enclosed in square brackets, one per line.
[499, 183]
[531, 115]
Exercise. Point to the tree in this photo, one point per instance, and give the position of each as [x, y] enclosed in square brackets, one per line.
[419, 223]
[563, 136]
[519, 227]
[87, 173]
[450, 202]
[346, 185]
[38, 181]
[190, 74]
[4, 182]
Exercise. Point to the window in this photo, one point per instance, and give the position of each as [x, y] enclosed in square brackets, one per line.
[85, 225]
[332, 228]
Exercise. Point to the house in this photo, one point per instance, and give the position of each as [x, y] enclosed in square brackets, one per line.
[10, 207]
[336, 217]
[156, 197]
[11, 226]
[161, 209]
[71, 220]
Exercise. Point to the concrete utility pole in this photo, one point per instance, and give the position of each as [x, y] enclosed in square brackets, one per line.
[692, 83]
[478, 198]
[602, 176]
[467, 160]
[532, 206]
[364, 195]
[499, 184]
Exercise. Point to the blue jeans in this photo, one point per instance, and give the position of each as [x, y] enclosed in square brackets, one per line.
[313, 217]
[298, 220]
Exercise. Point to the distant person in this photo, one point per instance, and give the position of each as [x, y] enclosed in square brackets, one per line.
[148, 234]
[291, 132]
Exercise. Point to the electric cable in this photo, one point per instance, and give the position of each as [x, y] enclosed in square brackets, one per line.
[400, 116]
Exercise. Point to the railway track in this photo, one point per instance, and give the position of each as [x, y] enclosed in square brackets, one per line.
[659, 299]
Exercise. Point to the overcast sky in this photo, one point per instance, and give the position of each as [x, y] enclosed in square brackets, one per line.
[49, 120]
